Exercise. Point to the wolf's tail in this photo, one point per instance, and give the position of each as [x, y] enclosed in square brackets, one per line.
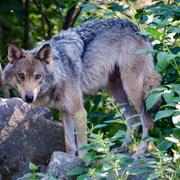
[152, 79]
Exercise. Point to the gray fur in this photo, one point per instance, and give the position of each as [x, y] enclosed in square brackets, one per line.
[83, 59]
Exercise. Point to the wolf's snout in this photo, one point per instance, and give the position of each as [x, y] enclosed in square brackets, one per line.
[29, 98]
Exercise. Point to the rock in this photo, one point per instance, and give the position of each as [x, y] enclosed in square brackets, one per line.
[22, 170]
[26, 135]
[61, 163]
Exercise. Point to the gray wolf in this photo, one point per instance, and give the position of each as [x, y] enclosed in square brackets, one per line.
[80, 61]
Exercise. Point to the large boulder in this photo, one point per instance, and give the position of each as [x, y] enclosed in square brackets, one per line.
[27, 134]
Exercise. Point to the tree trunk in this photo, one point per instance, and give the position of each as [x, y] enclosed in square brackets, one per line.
[26, 24]
[71, 16]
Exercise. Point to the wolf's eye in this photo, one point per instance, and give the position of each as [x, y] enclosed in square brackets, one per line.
[21, 76]
[38, 76]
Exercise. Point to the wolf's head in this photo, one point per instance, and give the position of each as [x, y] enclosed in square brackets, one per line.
[27, 70]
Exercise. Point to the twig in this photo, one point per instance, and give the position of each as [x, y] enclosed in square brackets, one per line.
[134, 13]
[26, 24]
[45, 18]
[71, 16]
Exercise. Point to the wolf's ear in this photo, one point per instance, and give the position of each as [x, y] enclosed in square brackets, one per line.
[44, 54]
[14, 52]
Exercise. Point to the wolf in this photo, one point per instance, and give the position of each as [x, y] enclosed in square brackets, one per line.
[80, 61]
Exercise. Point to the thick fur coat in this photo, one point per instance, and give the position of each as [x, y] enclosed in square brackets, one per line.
[99, 54]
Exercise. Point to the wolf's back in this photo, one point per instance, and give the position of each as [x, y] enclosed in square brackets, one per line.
[89, 30]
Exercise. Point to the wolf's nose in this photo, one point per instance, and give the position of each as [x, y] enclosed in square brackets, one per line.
[29, 98]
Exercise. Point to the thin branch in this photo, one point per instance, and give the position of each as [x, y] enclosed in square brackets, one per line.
[71, 16]
[42, 20]
[76, 15]
[26, 24]
[45, 17]
[134, 12]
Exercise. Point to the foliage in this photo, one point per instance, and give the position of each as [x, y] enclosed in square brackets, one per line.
[101, 162]
[34, 174]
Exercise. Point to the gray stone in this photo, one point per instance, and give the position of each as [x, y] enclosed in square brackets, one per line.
[27, 134]
[61, 163]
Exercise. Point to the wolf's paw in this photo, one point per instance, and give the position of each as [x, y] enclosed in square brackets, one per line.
[141, 151]
[120, 149]
[138, 155]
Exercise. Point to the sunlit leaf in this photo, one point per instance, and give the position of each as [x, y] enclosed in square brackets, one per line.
[76, 171]
[152, 99]
[164, 114]
[33, 166]
[168, 96]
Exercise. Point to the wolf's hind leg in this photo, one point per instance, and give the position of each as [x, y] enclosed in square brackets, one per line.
[116, 90]
[133, 86]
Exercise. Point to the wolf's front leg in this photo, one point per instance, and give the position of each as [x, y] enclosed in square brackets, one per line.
[75, 130]
[69, 132]
[80, 117]
[74, 106]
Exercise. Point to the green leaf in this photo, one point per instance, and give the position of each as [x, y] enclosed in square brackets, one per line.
[141, 15]
[164, 114]
[82, 177]
[174, 30]
[168, 96]
[163, 144]
[154, 32]
[47, 3]
[159, 89]
[52, 178]
[160, 9]
[176, 88]
[172, 139]
[144, 33]
[176, 121]
[153, 176]
[152, 99]
[118, 135]
[89, 157]
[99, 126]
[33, 166]
[139, 170]
[150, 139]
[76, 171]
[97, 101]
[116, 7]
[88, 7]
[39, 174]
[162, 60]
